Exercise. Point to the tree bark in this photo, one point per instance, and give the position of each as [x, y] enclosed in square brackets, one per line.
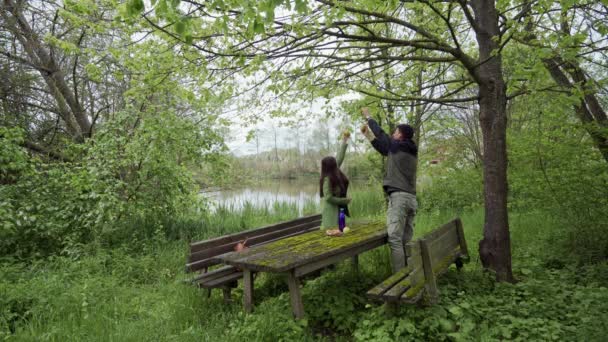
[72, 113]
[495, 247]
[588, 110]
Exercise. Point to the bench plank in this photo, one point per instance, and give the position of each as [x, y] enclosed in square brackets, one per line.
[236, 237]
[198, 265]
[463, 242]
[252, 239]
[411, 281]
[215, 273]
[384, 286]
[432, 235]
[443, 265]
[442, 246]
[412, 250]
[429, 275]
[221, 280]
[427, 258]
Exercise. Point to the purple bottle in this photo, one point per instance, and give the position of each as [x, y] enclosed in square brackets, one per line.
[341, 220]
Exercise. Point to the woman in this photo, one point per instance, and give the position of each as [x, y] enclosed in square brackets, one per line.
[333, 186]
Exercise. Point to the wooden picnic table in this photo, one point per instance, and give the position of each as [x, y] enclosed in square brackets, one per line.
[302, 254]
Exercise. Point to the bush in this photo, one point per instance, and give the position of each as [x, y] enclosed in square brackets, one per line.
[52, 207]
[452, 190]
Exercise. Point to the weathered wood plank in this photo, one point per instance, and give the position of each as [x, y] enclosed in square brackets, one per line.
[289, 253]
[443, 245]
[413, 297]
[322, 247]
[439, 231]
[429, 275]
[414, 279]
[443, 265]
[387, 284]
[240, 259]
[250, 252]
[463, 242]
[412, 250]
[197, 265]
[222, 271]
[254, 238]
[215, 282]
[236, 237]
[295, 296]
[428, 257]
[344, 254]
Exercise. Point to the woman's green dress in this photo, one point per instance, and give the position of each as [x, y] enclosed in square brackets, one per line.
[330, 203]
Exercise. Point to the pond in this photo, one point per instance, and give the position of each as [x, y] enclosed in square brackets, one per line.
[300, 192]
[297, 192]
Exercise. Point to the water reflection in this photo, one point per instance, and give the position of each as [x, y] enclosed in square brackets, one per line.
[266, 194]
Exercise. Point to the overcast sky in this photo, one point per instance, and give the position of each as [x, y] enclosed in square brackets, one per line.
[310, 113]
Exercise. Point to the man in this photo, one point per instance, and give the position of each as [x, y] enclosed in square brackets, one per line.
[399, 183]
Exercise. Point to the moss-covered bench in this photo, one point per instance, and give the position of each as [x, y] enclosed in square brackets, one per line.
[428, 257]
[202, 254]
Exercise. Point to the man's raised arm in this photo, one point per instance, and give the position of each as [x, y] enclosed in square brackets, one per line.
[382, 141]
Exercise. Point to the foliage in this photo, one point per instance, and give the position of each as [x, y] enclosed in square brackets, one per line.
[555, 166]
[447, 188]
[117, 294]
[55, 207]
[543, 306]
[97, 196]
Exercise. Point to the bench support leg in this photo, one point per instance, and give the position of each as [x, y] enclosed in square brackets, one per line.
[226, 291]
[295, 295]
[355, 264]
[429, 276]
[459, 263]
[248, 291]
[391, 308]
[209, 293]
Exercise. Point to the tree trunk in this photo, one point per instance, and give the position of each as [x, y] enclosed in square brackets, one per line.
[588, 110]
[495, 247]
[72, 113]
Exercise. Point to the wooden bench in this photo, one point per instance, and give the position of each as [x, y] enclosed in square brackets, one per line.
[428, 257]
[202, 253]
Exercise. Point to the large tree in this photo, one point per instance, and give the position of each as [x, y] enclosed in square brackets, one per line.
[325, 45]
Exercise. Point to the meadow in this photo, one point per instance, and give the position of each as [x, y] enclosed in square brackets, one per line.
[135, 291]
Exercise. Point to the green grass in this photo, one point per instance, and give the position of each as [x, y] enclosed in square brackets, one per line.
[127, 294]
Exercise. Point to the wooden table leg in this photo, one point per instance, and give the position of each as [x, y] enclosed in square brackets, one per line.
[248, 290]
[295, 295]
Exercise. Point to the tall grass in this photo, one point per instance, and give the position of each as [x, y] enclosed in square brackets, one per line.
[226, 219]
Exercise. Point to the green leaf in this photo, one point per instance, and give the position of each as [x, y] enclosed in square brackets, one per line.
[258, 26]
[456, 311]
[180, 27]
[161, 10]
[301, 6]
[135, 7]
